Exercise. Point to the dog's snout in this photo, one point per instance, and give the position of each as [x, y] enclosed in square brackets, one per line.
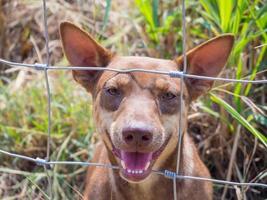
[137, 136]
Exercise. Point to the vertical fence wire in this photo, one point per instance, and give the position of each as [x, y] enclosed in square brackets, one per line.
[181, 128]
[49, 179]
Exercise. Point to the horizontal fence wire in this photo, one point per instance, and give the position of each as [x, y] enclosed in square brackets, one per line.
[48, 164]
[173, 74]
[166, 173]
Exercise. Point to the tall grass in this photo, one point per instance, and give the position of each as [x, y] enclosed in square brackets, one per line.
[247, 20]
[161, 25]
[23, 128]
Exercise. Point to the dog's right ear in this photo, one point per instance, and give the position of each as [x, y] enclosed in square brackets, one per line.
[82, 50]
[207, 59]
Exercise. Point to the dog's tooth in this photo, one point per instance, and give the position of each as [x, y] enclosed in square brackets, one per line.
[140, 171]
[123, 164]
[147, 165]
[129, 171]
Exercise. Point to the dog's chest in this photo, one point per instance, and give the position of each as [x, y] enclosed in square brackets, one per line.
[157, 188]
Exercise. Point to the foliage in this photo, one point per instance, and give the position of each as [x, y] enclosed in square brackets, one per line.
[160, 25]
[23, 127]
[245, 19]
[248, 21]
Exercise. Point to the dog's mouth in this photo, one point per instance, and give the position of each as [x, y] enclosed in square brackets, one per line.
[136, 166]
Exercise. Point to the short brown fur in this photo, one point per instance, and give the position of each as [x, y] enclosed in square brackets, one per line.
[149, 105]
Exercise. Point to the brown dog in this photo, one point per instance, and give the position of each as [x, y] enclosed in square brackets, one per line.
[137, 114]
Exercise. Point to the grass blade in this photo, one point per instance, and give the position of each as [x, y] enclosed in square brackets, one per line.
[225, 8]
[155, 12]
[239, 118]
[106, 16]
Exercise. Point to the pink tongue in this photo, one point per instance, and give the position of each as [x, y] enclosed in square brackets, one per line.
[135, 160]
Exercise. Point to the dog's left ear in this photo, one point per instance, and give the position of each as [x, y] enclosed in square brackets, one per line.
[207, 59]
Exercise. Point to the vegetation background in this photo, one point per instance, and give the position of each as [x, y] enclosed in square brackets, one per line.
[229, 124]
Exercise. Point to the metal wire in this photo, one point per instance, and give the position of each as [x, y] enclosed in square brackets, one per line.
[47, 164]
[49, 179]
[47, 81]
[173, 74]
[180, 130]
[170, 174]
[166, 173]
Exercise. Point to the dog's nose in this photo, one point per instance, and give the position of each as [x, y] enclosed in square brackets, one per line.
[137, 136]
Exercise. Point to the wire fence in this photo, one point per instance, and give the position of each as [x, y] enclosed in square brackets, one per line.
[47, 164]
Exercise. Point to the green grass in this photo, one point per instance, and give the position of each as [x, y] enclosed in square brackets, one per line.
[27, 107]
[23, 127]
[245, 19]
[234, 113]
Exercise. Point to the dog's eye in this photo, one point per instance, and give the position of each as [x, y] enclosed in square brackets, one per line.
[167, 96]
[113, 91]
[111, 98]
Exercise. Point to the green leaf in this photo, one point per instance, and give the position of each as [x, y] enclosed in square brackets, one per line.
[239, 118]
[211, 9]
[106, 16]
[225, 9]
[155, 12]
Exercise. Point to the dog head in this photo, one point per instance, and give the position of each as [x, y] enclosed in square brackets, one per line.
[137, 114]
